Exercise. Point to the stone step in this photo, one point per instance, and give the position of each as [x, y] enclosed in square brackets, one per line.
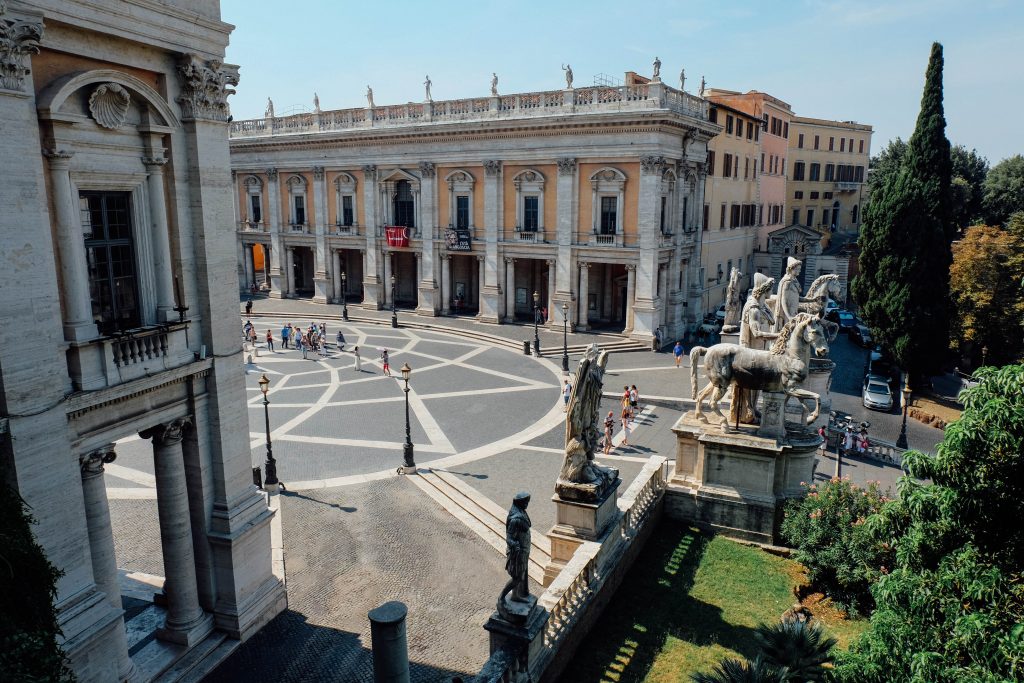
[481, 516]
[161, 662]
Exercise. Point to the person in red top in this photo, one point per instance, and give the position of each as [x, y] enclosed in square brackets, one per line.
[270, 340]
[384, 362]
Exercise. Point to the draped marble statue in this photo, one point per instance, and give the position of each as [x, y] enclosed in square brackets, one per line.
[732, 302]
[787, 298]
[582, 479]
[755, 331]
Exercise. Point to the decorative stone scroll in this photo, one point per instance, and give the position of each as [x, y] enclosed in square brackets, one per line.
[652, 164]
[566, 165]
[18, 39]
[272, 174]
[427, 169]
[492, 167]
[205, 88]
[318, 173]
[370, 172]
[92, 463]
[108, 105]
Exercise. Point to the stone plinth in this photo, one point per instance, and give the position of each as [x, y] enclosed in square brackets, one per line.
[522, 639]
[819, 380]
[737, 483]
[576, 522]
[730, 337]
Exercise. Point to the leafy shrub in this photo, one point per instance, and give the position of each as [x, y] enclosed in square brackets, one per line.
[827, 528]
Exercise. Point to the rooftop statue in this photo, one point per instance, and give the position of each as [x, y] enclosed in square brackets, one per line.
[567, 68]
[682, 79]
[369, 97]
[657, 69]
[581, 478]
[269, 113]
[494, 84]
[427, 84]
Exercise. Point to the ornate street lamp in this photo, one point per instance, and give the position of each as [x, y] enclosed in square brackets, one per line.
[409, 464]
[394, 309]
[536, 315]
[565, 337]
[271, 464]
[901, 442]
[344, 296]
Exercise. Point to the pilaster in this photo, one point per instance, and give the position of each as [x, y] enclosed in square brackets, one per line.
[428, 294]
[320, 282]
[372, 295]
[490, 291]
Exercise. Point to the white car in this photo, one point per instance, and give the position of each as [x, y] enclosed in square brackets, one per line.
[877, 394]
[720, 313]
[831, 306]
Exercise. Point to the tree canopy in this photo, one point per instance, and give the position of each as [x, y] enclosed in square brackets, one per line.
[986, 285]
[1004, 190]
[903, 288]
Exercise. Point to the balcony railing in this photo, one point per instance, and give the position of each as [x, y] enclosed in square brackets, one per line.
[352, 229]
[298, 227]
[531, 236]
[599, 240]
[109, 361]
[544, 103]
[252, 226]
[846, 186]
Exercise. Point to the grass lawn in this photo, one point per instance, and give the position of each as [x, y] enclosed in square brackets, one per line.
[688, 601]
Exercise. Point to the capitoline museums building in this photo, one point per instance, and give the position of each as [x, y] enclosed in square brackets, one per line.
[592, 197]
[119, 309]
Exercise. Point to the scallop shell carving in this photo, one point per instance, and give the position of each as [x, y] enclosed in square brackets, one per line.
[109, 105]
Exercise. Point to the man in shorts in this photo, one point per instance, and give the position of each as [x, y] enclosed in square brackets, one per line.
[566, 393]
[677, 351]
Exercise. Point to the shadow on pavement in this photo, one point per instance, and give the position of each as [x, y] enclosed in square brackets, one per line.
[343, 508]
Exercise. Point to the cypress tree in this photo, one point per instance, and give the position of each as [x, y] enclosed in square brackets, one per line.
[903, 288]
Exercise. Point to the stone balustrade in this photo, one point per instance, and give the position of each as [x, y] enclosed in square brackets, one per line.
[585, 100]
[348, 230]
[598, 240]
[252, 226]
[531, 237]
[115, 359]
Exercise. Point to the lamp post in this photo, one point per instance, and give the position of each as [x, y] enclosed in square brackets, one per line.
[901, 441]
[565, 337]
[536, 314]
[271, 464]
[409, 464]
[984, 355]
[394, 309]
[344, 296]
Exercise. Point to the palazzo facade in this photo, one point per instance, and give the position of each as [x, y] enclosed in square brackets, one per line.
[115, 128]
[589, 197]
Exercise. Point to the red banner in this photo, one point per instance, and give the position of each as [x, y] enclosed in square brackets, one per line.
[398, 236]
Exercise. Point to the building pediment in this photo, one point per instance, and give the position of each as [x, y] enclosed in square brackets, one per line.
[794, 239]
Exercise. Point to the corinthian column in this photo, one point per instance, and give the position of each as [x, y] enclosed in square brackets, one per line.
[101, 546]
[584, 303]
[160, 237]
[186, 622]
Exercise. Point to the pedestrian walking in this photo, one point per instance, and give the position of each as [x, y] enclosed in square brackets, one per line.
[357, 366]
[323, 331]
[304, 341]
[384, 362]
[248, 307]
[634, 401]
[625, 399]
[677, 351]
[625, 417]
[566, 393]
[285, 333]
[609, 428]
[270, 340]
[341, 341]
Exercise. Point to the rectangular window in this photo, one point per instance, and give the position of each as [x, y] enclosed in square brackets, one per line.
[736, 167]
[609, 214]
[348, 215]
[800, 141]
[785, 130]
[842, 144]
[664, 214]
[707, 217]
[721, 220]
[255, 208]
[762, 162]
[739, 127]
[830, 172]
[796, 216]
[815, 172]
[757, 132]
[831, 144]
[851, 145]
[814, 195]
[798, 170]
[817, 140]
[711, 163]
[764, 122]
[750, 131]
[810, 217]
[462, 212]
[110, 260]
[746, 168]
[826, 195]
[859, 175]
[300, 209]
[861, 147]
[531, 213]
[728, 124]
[713, 115]
[735, 216]
[799, 194]
[726, 165]
[824, 217]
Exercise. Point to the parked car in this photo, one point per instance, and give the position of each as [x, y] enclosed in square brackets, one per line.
[831, 307]
[861, 335]
[846, 320]
[720, 313]
[884, 367]
[877, 395]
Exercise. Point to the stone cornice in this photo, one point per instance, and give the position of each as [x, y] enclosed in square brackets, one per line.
[86, 401]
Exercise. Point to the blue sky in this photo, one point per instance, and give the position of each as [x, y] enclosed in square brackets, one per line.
[860, 60]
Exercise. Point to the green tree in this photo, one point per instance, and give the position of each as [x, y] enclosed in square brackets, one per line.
[28, 583]
[886, 164]
[1004, 190]
[903, 287]
[952, 607]
[985, 283]
[969, 172]
[741, 671]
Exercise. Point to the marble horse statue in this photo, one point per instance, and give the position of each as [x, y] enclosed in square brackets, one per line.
[782, 369]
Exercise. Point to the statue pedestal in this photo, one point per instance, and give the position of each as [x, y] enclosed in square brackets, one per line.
[519, 637]
[773, 420]
[576, 522]
[737, 483]
[730, 337]
[819, 380]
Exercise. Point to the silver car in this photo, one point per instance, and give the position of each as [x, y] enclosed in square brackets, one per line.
[877, 394]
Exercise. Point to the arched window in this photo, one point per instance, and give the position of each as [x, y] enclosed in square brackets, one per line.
[404, 205]
[855, 214]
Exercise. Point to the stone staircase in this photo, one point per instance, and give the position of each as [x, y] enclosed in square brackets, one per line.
[480, 514]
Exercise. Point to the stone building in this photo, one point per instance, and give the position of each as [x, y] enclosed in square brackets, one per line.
[120, 318]
[829, 159]
[732, 206]
[589, 197]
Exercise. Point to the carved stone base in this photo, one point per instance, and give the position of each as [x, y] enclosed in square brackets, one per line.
[516, 611]
[773, 418]
[576, 522]
[521, 638]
